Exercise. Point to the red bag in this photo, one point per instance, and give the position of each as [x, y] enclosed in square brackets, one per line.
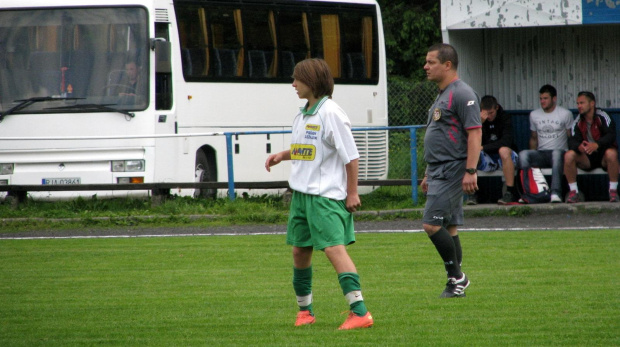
[535, 187]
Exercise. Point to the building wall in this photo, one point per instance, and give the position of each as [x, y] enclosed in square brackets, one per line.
[513, 63]
[469, 14]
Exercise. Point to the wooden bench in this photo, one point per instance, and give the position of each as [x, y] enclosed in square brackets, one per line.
[594, 184]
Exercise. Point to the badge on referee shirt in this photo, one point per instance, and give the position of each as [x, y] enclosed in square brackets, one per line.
[436, 114]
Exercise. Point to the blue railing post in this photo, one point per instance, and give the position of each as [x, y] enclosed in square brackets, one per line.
[231, 172]
[414, 164]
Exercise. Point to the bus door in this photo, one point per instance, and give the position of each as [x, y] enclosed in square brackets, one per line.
[166, 148]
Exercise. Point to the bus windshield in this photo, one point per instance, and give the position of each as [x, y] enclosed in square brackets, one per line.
[71, 57]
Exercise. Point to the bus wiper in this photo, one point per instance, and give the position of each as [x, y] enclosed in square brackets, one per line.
[98, 107]
[27, 102]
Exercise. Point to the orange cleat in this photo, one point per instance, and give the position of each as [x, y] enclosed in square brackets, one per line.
[356, 322]
[304, 318]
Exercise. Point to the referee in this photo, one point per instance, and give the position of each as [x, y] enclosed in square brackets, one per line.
[452, 146]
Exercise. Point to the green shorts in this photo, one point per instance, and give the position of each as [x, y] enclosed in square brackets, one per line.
[318, 222]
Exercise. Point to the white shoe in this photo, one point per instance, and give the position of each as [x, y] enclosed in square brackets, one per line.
[555, 198]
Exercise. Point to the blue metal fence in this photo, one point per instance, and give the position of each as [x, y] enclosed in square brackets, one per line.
[413, 149]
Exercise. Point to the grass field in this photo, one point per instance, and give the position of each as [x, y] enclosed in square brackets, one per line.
[94, 212]
[528, 289]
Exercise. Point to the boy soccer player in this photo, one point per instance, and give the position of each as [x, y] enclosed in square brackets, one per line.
[324, 169]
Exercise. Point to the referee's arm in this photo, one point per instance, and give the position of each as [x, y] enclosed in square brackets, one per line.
[474, 145]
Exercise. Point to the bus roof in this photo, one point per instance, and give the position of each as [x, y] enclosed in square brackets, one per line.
[80, 3]
[67, 3]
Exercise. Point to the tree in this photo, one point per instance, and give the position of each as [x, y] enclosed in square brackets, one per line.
[410, 28]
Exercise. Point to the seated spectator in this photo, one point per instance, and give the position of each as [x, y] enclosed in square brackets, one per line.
[592, 144]
[498, 148]
[550, 127]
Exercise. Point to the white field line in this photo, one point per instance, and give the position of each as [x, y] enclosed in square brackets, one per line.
[385, 231]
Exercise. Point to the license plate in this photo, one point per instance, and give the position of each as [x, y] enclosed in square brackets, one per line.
[60, 181]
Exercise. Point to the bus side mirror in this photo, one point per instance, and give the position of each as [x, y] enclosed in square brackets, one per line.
[162, 50]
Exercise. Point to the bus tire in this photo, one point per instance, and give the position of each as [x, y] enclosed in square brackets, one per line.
[204, 173]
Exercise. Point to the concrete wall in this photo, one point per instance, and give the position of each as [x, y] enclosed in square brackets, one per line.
[510, 48]
[514, 63]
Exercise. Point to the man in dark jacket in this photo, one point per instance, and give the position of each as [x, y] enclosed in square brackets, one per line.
[592, 144]
[498, 148]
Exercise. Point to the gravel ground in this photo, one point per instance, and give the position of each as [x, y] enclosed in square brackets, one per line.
[594, 215]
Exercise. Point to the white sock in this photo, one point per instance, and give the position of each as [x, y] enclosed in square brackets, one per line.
[573, 186]
[613, 185]
[305, 300]
[354, 296]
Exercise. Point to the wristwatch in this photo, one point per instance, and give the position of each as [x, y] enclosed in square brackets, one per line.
[471, 171]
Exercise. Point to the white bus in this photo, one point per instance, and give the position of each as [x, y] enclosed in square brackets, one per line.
[128, 91]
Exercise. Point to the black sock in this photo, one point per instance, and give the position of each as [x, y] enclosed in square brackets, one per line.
[513, 190]
[445, 246]
[459, 251]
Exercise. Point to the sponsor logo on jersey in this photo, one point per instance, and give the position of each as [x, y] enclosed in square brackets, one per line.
[471, 102]
[311, 131]
[303, 152]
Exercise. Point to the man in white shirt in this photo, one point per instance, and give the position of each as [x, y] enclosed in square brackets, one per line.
[550, 128]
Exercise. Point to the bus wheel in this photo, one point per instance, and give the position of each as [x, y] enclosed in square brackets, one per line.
[204, 173]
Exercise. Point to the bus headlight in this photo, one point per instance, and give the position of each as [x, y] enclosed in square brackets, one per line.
[6, 169]
[127, 165]
[134, 165]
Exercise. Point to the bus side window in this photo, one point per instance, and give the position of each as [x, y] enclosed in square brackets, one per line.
[358, 46]
[356, 65]
[288, 63]
[225, 62]
[229, 42]
[257, 66]
[294, 42]
[186, 61]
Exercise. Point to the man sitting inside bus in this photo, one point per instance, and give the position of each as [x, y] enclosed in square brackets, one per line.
[130, 83]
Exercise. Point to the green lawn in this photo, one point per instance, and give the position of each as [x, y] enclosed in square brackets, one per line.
[84, 213]
[528, 289]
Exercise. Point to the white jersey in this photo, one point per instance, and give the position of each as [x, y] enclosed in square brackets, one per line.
[551, 127]
[321, 145]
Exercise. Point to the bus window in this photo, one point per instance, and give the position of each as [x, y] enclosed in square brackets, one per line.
[357, 46]
[294, 39]
[83, 53]
[194, 41]
[211, 41]
[226, 32]
[330, 36]
[250, 42]
[261, 43]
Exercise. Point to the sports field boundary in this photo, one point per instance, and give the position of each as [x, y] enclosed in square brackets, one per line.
[531, 209]
[479, 218]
